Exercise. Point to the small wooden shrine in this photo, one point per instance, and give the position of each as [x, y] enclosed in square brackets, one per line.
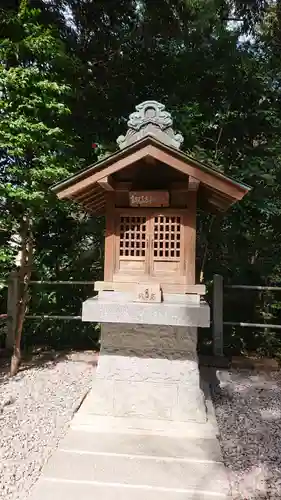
[149, 305]
[149, 192]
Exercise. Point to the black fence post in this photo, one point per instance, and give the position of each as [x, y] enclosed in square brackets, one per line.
[218, 315]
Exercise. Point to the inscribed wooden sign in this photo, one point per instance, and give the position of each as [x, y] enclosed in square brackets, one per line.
[148, 293]
[149, 198]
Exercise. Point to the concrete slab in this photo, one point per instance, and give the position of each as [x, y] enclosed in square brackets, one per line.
[138, 426]
[166, 313]
[194, 449]
[85, 420]
[137, 470]
[71, 490]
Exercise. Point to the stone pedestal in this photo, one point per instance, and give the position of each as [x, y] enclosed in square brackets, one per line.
[148, 372]
[175, 310]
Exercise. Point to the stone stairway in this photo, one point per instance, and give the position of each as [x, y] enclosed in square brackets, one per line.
[105, 458]
[103, 466]
[146, 430]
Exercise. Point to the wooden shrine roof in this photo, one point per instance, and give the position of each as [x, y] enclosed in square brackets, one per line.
[217, 192]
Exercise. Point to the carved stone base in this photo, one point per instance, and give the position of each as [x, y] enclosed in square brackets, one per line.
[148, 371]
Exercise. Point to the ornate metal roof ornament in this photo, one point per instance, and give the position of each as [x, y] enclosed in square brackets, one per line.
[150, 119]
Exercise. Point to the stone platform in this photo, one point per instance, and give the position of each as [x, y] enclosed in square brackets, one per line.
[147, 429]
[148, 366]
[99, 460]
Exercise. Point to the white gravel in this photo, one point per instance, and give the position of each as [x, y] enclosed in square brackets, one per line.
[248, 409]
[36, 407]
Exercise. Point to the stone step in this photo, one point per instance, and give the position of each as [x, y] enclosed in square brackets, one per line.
[138, 472]
[62, 490]
[82, 420]
[163, 446]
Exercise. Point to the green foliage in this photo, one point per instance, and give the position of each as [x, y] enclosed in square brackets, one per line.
[70, 76]
[34, 103]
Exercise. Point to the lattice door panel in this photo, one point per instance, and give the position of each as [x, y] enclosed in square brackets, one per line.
[167, 238]
[133, 235]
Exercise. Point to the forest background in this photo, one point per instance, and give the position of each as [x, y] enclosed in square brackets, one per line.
[70, 74]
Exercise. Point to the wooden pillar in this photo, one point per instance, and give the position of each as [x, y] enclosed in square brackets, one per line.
[109, 249]
[12, 309]
[190, 231]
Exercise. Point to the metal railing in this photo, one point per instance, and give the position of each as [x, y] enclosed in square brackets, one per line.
[53, 316]
[218, 323]
[12, 305]
[217, 308]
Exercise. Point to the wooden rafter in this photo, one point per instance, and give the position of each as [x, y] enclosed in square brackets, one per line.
[92, 200]
[89, 194]
[94, 206]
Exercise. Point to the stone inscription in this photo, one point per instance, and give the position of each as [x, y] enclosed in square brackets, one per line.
[148, 293]
[149, 198]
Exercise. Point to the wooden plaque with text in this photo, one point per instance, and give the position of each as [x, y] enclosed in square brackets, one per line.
[149, 199]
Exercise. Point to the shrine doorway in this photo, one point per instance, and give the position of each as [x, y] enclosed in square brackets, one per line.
[150, 246]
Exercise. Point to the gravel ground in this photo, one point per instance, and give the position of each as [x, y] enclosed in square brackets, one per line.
[36, 407]
[248, 409]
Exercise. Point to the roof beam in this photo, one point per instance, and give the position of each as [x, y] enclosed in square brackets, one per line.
[219, 203]
[193, 184]
[106, 183]
[179, 186]
[123, 186]
[95, 177]
[212, 179]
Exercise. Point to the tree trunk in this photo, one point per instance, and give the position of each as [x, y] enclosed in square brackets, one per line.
[24, 277]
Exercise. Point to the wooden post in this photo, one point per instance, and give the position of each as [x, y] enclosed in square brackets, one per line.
[109, 249]
[190, 231]
[12, 307]
[218, 315]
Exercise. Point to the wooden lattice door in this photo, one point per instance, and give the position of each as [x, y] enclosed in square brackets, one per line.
[167, 248]
[150, 248]
[132, 248]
